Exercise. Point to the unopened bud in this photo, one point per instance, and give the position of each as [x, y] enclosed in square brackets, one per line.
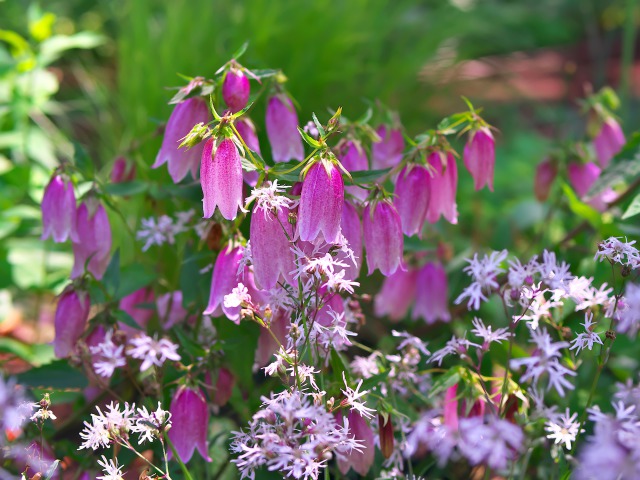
[385, 432]
[197, 134]
[626, 271]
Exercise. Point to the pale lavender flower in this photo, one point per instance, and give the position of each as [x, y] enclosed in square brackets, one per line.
[588, 338]
[455, 346]
[617, 251]
[487, 333]
[564, 429]
[108, 356]
[491, 441]
[150, 424]
[410, 341]
[152, 351]
[629, 314]
[352, 397]
[159, 231]
[111, 469]
[484, 273]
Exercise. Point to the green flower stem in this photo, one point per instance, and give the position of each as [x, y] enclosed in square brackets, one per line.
[176, 457]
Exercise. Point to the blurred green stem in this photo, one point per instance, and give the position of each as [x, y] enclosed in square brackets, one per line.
[628, 47]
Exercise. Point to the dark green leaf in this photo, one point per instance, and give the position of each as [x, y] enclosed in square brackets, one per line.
[56, 375]
[448, 379]
[367, 176]
[318, 125]
[633, 209]
[191, 346]
[127, 319]
[125, 189]
[111, 279]
[308, 138]
[580, 208]
[238, 53]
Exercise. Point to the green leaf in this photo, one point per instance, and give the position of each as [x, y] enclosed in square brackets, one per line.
[581, 209]
[134, 277]
[52, 469]
[265, 73]
[625, 166]
[111, 279]
[318, 125]
[127, 319]
[375, 380]
[633, 209]
[191, 346]
[125, 189]
[57, 375]
[367, 176]
[308, 138]
[448, 379]
[52, 48]
[238, 53]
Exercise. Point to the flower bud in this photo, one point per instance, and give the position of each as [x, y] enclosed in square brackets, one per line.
[190, 423]
[582, 176]
[432, 294]
[383, 238]
[122, 171]
[354, 158]
[387, 153]
[480, 157]
[359, 461]
[170, 309]
[131, 304]
[224, 387]
[221, 179]
[443, 185]
[235, 90]
[247, 132]
[93, 240]
[224, 278]
[270, 249]
[70, 321]
[397, 295]
[546, 172]
[351, 227]
[412, 198]
[181, 160]
[321, 203]
[59, 210]
[608, 142]
[385, 435]
[282, 130]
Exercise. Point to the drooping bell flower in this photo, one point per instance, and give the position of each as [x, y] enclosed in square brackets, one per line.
[282, 129]
[582, 176]
[170, 309]
[385, 434]
[135, 304]
[412, 198]
[387, 153]
[122, 171]
[443, 185]
[354, 158]
[235, 90]
[383, 238]
[221, 179]
[432, 292]
[454, 408]
[397, 295]
[182, 160]
[70, 321]
[359, 461]
[546, 172]
[224, 278]
[270, 248]
[223, 387]
[247, 131]
[189, 423]
[59, 210]
[608, 142]
[321, 203]
[351, 227]
[93, 240]
[480, 157]
[267, 345]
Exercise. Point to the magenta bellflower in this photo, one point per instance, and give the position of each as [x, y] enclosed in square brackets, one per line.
[359, 460]
[546, 173]
[387, 153]
[351, 227]
[182, 160]
[432, 294]
[247, 132]
[282, 129]
[412, 198]
[221, 179]
[397, 295]
[136, 306]
[190, 423]
[122, 171]
[582, 176]
[383, 238]
[442, 188]
[70, 321]
[480, 157]
[224, 278]
[235, 90]
[354, 158]
[59, 210]
[93, 240]
[608, 142]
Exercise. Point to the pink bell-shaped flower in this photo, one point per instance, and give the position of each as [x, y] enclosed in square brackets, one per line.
[189, 423]
[480, 157]
[582, 176]
[351, 227]
[133, 305]
[223, 388]
[432, 292]
[412, 198]
[397, 294]
[70, 321]
[235, 90]
[224, 279]
[221, 179]
[93, 240]
[270, 248]
[247, 131]
[383, 238]
[608, 142]
[387, 153]
[122, 171]
[321, 203]
[359, 461]
[267, 345]
[59, 210]
[170, 309]
[546, 172]
[443, 185]
[282, 130]
[354, 158]
[185, 115]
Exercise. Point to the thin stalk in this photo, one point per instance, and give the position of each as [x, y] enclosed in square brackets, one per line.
[176, 457]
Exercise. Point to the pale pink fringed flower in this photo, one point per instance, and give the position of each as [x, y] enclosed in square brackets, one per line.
[412, 198]
[387, 153]
[221, 179]
[397, 295]
[236, 90]
[321, 203]
[182, 160]
[383, 238]
[59, 210]
[190, 423]
[71, 317]
[432, 294]
[480, 157]
[359, 460]
[443, 185]
[608, 142]
[282, 129]
[351, 227]
[93, 243]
